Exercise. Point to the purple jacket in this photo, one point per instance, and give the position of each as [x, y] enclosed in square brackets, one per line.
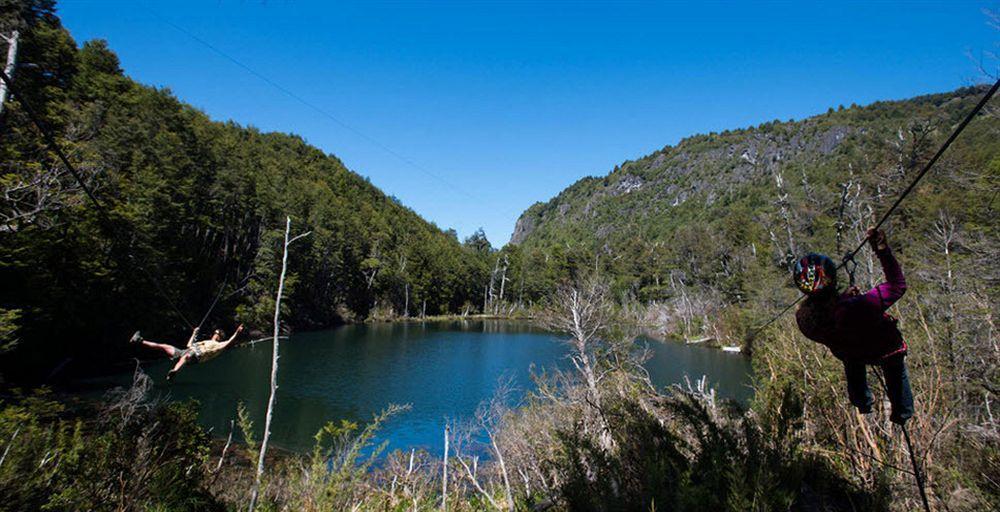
[859, 330]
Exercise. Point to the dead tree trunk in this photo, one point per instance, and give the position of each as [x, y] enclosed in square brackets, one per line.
[274, 365]
[520, 292]
[845, 194]
[786, 216]
[503, 284]
[583, 311]
[807, 189]
[229, 441]
[944, 233]
[406, 286]
[491, 297]
[444, 470]
[8, 68]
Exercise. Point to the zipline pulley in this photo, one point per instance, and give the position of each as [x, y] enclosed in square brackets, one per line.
[848, 263]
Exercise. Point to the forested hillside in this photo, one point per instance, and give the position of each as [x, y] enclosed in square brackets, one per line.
[195, 210]
[715, 220]
[699, 239]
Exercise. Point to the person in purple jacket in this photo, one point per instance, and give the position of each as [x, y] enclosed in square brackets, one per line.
[855, 326]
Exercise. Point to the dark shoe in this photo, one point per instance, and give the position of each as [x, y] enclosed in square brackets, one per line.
[136, 338]
[898, 419]
[865, 410]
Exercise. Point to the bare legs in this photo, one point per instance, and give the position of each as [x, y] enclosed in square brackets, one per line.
[170, 350]
[180, 364]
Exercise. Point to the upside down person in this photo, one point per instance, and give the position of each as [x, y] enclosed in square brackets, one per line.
[856, 328]
[194, 352]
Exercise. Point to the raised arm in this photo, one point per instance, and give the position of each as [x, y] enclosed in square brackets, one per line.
[235, 334]
[885, 294]
[194, 337]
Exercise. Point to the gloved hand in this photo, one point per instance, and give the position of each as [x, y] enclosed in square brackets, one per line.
[877, 240]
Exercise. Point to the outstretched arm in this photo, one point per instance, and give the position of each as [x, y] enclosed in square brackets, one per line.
[235, 334]
[885, 294]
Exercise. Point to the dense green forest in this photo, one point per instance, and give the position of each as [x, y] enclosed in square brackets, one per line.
[195, 209]
[694, 241]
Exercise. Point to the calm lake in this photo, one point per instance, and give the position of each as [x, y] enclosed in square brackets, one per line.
[444, 370]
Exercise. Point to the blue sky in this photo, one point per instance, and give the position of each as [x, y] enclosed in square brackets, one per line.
[469, 112]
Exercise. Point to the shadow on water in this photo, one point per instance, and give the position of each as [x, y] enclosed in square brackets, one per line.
[444, 370]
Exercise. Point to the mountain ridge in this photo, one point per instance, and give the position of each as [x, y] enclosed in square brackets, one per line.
[736, 159]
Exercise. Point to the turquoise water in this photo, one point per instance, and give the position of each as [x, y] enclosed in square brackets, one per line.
[443, 370]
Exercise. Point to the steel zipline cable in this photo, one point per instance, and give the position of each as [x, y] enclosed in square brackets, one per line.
[927, 167]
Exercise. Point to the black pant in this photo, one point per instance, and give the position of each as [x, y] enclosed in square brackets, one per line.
[897, 383]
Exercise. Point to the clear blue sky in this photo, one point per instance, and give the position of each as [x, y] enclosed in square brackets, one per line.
[469, 112]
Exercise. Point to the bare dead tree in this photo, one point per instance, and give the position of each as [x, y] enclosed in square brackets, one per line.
[845, 199]
[124, 404]
[786, 216]
[807, 188]
[444, 470]
[274, 364]
[371, 265]
[503, 283]
[486, 298]
[490, 417]
[490, 297]
[9, 444]
[229, 441]
[10, 63]
[584, 311]
[29, 194]
[944, 234]
[406, 285]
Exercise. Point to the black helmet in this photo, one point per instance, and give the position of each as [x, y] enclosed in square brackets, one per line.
[815, 273]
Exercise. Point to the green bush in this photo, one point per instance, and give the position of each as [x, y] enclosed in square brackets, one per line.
[133, 455]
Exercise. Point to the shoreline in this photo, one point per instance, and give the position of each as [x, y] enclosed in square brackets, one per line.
[650, 331]
[706, 341]
[447, 318]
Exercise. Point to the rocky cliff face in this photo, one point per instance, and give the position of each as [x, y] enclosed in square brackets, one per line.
[523, 228]
[703, 174]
